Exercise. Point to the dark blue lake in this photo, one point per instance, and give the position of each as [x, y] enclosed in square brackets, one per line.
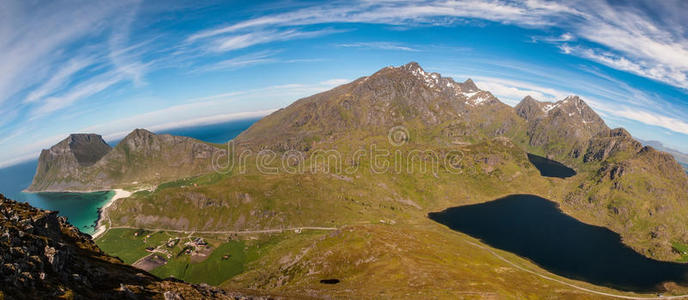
[536, 229]
[81, 209]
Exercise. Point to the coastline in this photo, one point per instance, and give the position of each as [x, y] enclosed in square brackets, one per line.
[101, 228]
[65, 191]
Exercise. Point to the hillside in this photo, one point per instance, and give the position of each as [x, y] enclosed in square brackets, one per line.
[474, 149]
[636, 191]
[141, 158]
[43, 257]
[680, 156]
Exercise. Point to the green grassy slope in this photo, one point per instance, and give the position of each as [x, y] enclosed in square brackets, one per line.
[385, 246]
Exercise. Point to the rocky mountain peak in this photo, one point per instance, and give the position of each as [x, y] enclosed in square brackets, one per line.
[480, 98]
[469, 86]
[84, 149]
[530, 109]
[413, 71]
[528, 99]
[389, 97]
[88, 148]
[620, 132]
[65, 159]
[411, 66]
[561, 128]
[573, 106]
[139, 133]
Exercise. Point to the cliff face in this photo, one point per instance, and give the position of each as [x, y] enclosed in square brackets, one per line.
[43, 257]
[65, 161]
[82, 163]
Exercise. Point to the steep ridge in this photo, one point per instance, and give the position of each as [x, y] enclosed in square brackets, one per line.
[637, 191]
[43, 257]
[390, 97]
[560, 130]
[142, 157]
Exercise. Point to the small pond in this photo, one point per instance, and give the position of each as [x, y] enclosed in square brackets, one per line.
[550, 168]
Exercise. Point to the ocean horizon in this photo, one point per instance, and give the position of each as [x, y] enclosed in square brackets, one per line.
[82, 209]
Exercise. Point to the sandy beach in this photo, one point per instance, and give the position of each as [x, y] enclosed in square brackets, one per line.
[119, 194]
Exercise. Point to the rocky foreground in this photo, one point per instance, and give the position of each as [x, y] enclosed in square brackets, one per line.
[44, 257]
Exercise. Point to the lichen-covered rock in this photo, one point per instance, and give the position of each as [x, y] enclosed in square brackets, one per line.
[44, 257]
[562, 129]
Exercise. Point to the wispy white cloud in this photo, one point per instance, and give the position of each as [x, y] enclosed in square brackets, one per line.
[379, 45]
[87, 88]
[655, 119]
[240, 41]
[335, 82]
[532, 13]
[59, 80]
[255, 58]
[251, 59]
[668, 74]
[512, 91]
[191, 112]
[565, 37]
[57, 54]
[34, 36]
[637, 43]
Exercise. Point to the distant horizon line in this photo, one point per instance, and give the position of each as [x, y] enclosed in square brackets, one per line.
[205, 121]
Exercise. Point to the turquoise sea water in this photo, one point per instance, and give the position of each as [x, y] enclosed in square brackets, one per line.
[81, 209]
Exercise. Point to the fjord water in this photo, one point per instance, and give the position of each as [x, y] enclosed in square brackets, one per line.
[536, 229]
[550, 168]
[81, 209]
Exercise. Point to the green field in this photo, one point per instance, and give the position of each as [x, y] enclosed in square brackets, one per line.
[129, 248]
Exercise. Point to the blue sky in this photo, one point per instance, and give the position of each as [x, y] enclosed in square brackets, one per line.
[111, 66]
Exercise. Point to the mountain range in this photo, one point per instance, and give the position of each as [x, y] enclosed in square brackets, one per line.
[380, 218]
